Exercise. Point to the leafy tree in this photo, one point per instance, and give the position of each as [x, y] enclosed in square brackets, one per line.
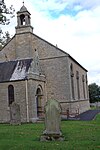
[5, 12]
[94, 92]
[5, 15]
[4, 38]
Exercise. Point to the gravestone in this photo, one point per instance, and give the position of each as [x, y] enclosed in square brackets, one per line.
[15, 118]
[52, 122]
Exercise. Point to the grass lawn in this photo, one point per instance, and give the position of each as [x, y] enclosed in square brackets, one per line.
[79, 135]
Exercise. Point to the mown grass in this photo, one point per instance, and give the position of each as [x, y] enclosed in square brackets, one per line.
[79, 135]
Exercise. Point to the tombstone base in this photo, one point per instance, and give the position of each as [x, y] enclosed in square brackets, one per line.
[51, 137]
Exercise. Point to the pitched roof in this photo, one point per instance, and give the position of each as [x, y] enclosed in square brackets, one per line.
[23, 8]
[14, 70]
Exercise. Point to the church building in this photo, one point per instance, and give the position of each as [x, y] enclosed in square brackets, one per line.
[32, 71]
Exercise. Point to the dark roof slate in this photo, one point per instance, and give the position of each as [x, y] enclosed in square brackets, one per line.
[12, 70]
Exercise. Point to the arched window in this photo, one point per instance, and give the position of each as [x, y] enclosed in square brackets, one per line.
[38, 100]
[22, 19]
[10, 94]
[87, 87]
[78, 89]
[83, 81]
[72, 81]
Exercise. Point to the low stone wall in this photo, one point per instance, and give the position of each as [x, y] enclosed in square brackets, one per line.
[84, 105]
[96, 104]
[75, 106]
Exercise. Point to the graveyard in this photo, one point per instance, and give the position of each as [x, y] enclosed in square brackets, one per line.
[78, 135]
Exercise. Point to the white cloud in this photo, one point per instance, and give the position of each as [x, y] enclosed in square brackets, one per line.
[85, 4]
[44, 5]
[78, 35]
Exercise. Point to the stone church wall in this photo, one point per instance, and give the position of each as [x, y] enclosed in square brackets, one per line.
[23, 48]
[28, 113]
[57, 75]
[8, 52]
[81, 71]
[45, 49]
[83, 102]
[75, 107]
[54, 65]
[32, 89]
[4, 108]
[19, 98]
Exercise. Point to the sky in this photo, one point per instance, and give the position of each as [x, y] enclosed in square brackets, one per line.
[72, 25]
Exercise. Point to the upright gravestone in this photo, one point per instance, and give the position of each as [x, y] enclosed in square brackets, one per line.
[52, 122]
[15, 118]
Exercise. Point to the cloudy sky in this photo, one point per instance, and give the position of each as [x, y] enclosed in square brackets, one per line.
[74, 25]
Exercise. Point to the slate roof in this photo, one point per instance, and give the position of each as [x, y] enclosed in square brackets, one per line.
[14, 70]
[23, 8]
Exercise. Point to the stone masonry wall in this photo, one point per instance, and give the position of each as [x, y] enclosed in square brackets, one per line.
[75, 106]
[33, 85]
[83, 102]
[8, 52]
[23, 48]
[81, 71]
[4, 108]
[56, 66]
[45, 49]
[19, 97]
[57, 76]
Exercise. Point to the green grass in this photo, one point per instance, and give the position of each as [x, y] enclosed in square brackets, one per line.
[79, 135]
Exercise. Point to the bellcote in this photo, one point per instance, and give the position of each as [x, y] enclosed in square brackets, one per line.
[23, 21]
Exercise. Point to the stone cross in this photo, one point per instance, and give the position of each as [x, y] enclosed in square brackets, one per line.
[52, 121]
[15, 118]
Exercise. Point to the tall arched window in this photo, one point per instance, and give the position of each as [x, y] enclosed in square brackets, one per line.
[38, 100]
[83, 80]
[77, 78]
[72, 81]
[10, 94]
[87, 87]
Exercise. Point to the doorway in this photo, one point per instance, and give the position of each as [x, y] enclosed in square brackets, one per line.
[39, 96]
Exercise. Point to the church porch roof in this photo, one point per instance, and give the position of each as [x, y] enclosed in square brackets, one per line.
[14, 70]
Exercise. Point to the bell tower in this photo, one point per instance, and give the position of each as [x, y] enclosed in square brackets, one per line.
[24, 32]
[23, 21]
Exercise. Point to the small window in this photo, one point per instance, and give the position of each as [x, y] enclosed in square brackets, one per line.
[10, 94]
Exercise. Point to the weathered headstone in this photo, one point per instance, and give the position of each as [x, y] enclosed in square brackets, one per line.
[15, 118]
[52, 121]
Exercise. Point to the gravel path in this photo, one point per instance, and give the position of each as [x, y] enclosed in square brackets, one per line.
[88, 115]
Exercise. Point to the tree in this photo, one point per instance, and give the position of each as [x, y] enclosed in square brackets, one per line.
[5, 12]
[5, 15]
[94, 92]
[4, 38]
